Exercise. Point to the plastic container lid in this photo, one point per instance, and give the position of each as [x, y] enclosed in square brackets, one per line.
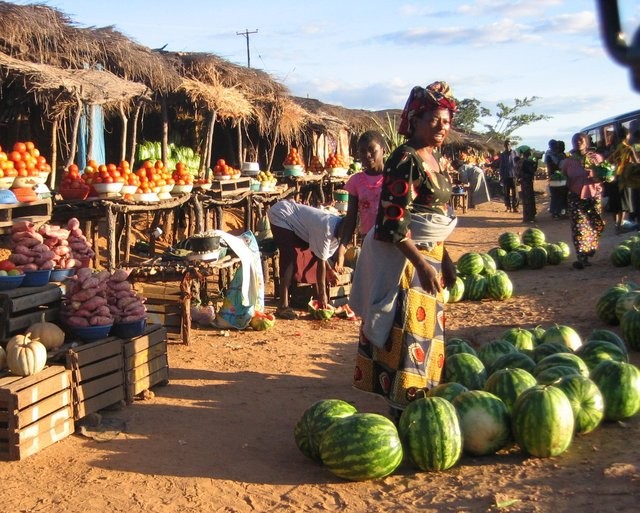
[7, 197]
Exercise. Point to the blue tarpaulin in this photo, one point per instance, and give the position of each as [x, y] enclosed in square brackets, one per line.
[91, 121]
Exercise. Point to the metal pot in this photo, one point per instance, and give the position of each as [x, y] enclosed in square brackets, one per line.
[202, 243]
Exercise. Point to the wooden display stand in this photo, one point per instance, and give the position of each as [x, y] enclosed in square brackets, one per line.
[21, 307]
[35, 412]
[97, 375]
[167, 306]
[145, 361]
[36, 212]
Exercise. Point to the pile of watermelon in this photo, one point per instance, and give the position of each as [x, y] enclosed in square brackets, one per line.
[620, 304]
[536, 387]
[529, 251]
[479, 278]
[626, 252]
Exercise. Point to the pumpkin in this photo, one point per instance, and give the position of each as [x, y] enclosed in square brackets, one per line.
[25, 355]
[3, 358]
[48, 333]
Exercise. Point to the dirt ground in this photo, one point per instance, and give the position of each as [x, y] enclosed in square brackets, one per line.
[219, 437]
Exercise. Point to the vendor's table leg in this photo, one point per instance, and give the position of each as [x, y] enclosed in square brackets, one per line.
[111, 239]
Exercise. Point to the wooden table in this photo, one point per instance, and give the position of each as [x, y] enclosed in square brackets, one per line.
[459, 200]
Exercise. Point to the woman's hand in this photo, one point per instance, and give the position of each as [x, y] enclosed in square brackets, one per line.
[429, 279]
[449, 272]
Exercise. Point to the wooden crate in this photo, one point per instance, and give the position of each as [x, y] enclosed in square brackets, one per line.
[97, 375]
[338, 294]
[36, 212]
[21, 307]
[35, 411]
[166, 306]
[145, 361]
[225, 188]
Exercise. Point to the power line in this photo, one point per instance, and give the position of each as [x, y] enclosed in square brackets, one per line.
[246, 35]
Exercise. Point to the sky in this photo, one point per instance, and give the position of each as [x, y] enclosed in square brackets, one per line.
[369, 54]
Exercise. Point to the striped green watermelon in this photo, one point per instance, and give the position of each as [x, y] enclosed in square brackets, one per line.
[456, 293]
[315, 421]
[563, 335]
[626, 302]
[491, 351]
[542, 420]
[470, 263]
[509, 241]
[606, 304]
[490, 265]
[594, 351]
[430, 433]
[554, 254]
[508, 384]
[499, 286]
[630, 326]
[561, 360]
[523, 249]
[552, 375]
[634, 258]
[586, 401]
[448, 391]
[466, 369]
[361, 446]
[619, 383]
[515, 360]
[620, 256]
[521, 338]
[565, 249]
[513, 261]
[547, 348]
[538, 334]
[609, 336]
[484, 421]
[459, 347]
[537, 258]
[497, 254]
[475, 287]
[533, 237]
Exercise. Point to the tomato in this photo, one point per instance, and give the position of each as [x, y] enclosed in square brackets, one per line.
[7, 265]
[20, 147]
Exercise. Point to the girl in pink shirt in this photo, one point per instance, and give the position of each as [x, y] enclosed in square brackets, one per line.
[364, 190]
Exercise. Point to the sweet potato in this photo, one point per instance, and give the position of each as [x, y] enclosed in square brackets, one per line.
[77, 322]
[100, 320]
[126, 301]
[20, 259]
[46, 266]
[21, 226]
[85, 294]
[121, 285]
[132, 318]
[103, 311]
[84, 273]
[119, 275]
[73, 223]
[94, 303]
[135, 309]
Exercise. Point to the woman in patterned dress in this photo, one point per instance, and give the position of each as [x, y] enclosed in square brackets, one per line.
[403, 264]
[584, 199]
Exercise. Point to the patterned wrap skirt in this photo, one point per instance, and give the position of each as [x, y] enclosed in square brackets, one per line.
[586, 223]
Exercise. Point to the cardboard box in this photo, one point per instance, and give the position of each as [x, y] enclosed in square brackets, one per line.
[146, 362]
[97, 375]
[22, 307]
[35, 411]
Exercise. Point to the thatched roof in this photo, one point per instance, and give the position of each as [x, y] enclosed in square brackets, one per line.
[332, 118]
[227, 102]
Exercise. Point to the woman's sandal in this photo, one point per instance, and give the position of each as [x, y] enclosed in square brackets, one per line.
[286, 314]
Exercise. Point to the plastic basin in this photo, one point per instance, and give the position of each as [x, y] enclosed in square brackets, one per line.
[36, 278]
[91, 333]
[128, 330]
[61, 274]
[11, 282]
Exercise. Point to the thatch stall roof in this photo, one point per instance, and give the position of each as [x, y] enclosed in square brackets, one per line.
[227, 102]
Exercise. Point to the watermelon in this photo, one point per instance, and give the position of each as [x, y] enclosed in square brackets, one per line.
[554, 254]
[315, 421]
[475, 287]
[361, 446]
[563, 335]
[320, 314]
[499, 286]
[619, 383]
[509, 241]
[594, 351]
[460, 347]
[493, 350]
[547, 348]
[630, 326]
[586, 401]
[513, 261]
[466, 369]
[552, 375]
[634, 258]
[497, 254]
[470, 263]
[448, 391]
[519, 337]
[533, 237]
[561, 360]
[620, 256]
[508, 384]
[538, 334]
[626, 302]
[430, 433]
[565, 249]
[456, 293]
[490, 265]
[543, 422]
[606, 304]
[537, 258]
[515, 360]
[609, 336]
[484, 421]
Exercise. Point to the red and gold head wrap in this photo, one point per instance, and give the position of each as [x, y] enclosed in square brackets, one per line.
[421, 99]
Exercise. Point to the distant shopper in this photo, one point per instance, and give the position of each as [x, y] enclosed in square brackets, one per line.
[473, 178]
[528, 169]
[553, 158]
[508, 165]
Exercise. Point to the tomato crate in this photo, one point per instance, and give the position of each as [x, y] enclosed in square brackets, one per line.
[35, 411]
[167, 307]
[97, 375]
[146, 362]
[23, 306]
[224, 188]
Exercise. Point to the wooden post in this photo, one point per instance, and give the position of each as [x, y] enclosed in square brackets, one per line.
[74, 135]
[123, 140]
[134, 133]
[111, 237]
[273, 147]
[54, 153]
[165, 131]
[209, 145]
[240, 144]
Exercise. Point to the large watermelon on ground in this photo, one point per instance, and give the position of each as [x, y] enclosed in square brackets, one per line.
[515, 360]
[508, 384]
[609, 336]
[626, 302]
[586, 401]
[491, 351]
[315, 421]
[499, 286]
[547, 348]
[484, 421]
[470, 263]
[521, 338]
[606, 304]
[563, 335]
[551, 375]
[619, 383]
[537, 257]
[533, 237]
[561, 360]
[462, 346]
[564, 248]
[620, 256]
[538, 334]
[554, 254]
[466, 369]
[490, 265]
[593, 352]
[456, 293]
[361, 446]
[542, 420]
[430, 433]
[630, 326]
[497, 254]
[475, 287]
[509, 241]
[448, 391]
[513, 261]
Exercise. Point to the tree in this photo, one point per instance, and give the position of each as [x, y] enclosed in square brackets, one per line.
[510, 119]
[468, 116]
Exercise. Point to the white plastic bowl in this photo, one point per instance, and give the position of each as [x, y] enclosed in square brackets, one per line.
[129, 189]
[6, 182]
[106, 188]
[337, 171]
[148, 197]
[25, 181]
[166, 188]
[182, 189]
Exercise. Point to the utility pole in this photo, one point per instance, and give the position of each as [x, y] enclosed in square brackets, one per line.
[246, 35]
